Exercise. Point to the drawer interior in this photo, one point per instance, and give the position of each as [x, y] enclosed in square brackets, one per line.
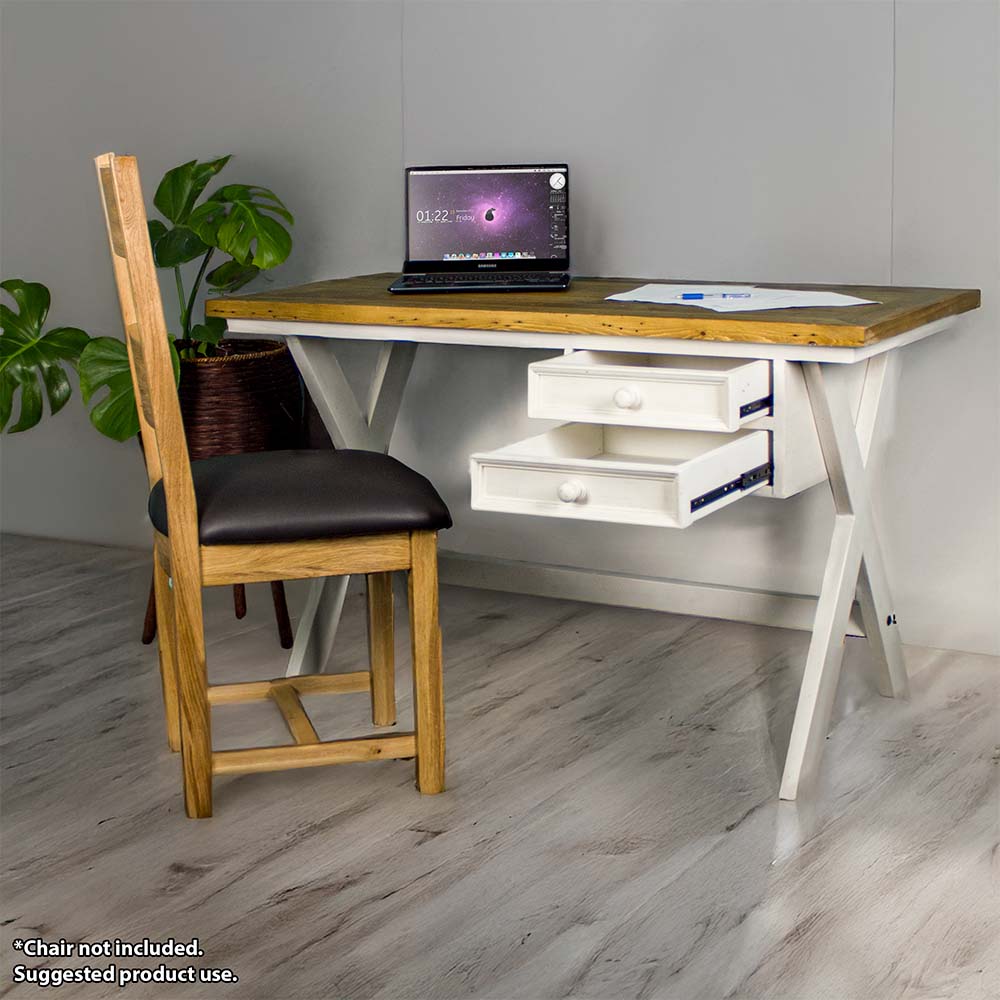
[617, 445]
[659, 362]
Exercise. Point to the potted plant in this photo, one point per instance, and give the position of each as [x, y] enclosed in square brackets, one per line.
[236, 395]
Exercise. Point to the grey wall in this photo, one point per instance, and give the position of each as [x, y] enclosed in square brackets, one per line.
[835, 141]
[307, 97]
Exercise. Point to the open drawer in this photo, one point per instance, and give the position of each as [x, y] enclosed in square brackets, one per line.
[628, 475]
[649, 390]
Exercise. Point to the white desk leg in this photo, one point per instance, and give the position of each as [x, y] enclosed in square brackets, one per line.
[854, 551]
[873, 587]
[349, 427]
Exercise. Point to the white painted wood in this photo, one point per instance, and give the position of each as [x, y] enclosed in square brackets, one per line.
[681, 597]
[583, 341]
[823, 662]
[625, 475]
[798, 458]
[392, 369]
[349, 427]
[647, 390]
[854, 538]
[854, 549]
[876, 374]
[331, 392]
[880, 621]
[317, 625]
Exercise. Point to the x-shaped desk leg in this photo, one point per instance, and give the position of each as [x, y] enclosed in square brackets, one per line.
[854, 565]
[349, 426]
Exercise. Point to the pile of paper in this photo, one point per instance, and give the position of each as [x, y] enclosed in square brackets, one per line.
[746, 297]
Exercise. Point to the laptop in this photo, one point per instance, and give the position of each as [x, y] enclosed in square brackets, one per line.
[476, 229]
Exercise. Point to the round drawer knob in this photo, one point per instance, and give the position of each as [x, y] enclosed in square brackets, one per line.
[572, 492]
[627, 398]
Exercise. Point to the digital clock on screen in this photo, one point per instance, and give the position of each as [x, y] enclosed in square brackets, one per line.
[433, 215]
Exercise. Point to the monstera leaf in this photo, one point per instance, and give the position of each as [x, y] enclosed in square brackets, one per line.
[173, 247]
[231, 276]
[30, 359]
[104, 364]
[180, 188]
[175, 199]
[239, 219]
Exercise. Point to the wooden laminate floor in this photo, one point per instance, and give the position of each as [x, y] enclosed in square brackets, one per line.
[611, 828]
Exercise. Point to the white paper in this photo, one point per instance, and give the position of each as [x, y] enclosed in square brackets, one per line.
[759, 298]
[669, 294]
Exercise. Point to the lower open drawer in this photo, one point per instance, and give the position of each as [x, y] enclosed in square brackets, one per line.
[629, 475]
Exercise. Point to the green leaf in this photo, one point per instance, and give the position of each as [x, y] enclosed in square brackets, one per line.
[239, 220]
[177, 246]
[32, 299]
[6, 400]
[104, 365]
[31, 404]
[231, 276]
[209, 332]
[30, 359]
[57, 387]
[181, 186]
[157, 230]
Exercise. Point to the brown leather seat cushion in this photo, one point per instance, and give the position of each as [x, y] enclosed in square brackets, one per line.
[290, 496]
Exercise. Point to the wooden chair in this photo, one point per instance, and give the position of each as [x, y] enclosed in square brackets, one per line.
[266, 516]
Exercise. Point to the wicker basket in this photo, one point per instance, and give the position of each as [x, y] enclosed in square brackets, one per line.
[247, 399]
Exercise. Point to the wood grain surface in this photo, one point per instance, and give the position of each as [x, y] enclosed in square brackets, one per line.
[611, 828]
[583, 309]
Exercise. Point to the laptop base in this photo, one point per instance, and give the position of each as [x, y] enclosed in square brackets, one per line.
[499, 281]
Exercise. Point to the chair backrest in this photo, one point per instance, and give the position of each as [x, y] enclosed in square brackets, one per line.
[149, 353]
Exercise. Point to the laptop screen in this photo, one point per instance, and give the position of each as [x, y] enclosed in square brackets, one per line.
[503, 218]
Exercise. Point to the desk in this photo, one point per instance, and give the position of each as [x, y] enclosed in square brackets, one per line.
[826, 364]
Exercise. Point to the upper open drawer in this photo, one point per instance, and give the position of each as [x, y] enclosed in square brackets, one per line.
[640, 390]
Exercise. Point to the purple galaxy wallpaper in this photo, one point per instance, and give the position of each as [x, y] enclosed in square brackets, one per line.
[481, 213]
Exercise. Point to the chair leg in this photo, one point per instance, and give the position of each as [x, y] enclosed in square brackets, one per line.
[381, 652]
[149, 622]
[425, 634]
[240, 600]
[163, 601]
[192, 677]
[285, 635]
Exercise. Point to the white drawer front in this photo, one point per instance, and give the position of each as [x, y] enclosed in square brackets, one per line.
[626, 475]
[638, 390]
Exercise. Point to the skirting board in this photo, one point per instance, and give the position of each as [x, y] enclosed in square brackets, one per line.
[679, 597]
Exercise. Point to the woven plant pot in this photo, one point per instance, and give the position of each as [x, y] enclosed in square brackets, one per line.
[247, 399]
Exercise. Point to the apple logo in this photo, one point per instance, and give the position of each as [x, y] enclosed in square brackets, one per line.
[489, 216]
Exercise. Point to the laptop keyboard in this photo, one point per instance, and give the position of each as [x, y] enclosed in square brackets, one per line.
[484, 278]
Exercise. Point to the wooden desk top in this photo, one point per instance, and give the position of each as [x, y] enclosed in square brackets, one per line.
[582, 310]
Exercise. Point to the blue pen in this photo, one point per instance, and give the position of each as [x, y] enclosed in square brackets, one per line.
[713, 295]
